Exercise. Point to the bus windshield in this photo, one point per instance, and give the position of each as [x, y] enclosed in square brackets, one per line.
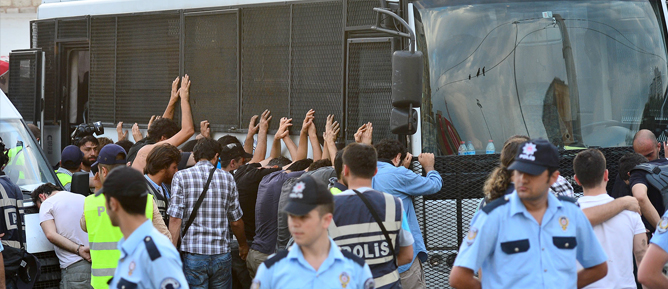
[578, 73]
[26, 168]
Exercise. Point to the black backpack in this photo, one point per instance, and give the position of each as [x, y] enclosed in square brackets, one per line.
[657, 177]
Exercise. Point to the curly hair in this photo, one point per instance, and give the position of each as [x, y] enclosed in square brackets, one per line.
[498, 181]
[162, 127]
[390, 148]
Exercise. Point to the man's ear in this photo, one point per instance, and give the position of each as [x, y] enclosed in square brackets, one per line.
[327, 219]
[578, 180]
[605, 176]
[42, 197]
[397, 160]
[346, 171]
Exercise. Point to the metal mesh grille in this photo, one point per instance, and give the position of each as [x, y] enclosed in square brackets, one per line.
[46, 34]
[211, 45]
[147, 61]
[317, 58]
[369, 87]
[22, 85]
[102, 59]
[50, 271]
[265, 52]
[446, 216]
[360, 12]
[68, 29]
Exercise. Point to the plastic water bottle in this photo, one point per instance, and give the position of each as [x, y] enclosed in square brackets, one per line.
[462, 149]
[470, 148]
[490, 150]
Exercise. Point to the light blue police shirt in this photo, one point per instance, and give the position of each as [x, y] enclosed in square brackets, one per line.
[148, 260]
[515, 252]
[291, 270]
[660, 238]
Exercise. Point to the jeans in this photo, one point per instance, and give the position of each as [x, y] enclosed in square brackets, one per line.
[76, 276]
[208, 271]
[254, 260]
[240, 277]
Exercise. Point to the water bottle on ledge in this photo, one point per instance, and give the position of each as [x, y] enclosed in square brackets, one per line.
[470, 148]
[462, 149]
[490, 150]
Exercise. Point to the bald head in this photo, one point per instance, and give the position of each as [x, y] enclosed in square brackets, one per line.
[645, 143]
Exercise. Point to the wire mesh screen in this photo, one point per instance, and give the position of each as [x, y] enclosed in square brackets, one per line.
[446, 216]
[102, 69]
[317, 62]
[69, 29]
[46, 39]
[22, 84]
[369, 97]
[360, 12]
[147, 61]
[265, 53]
[210, 56]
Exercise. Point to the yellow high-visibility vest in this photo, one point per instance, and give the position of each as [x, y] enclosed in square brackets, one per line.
[103, 238]
[64, 178]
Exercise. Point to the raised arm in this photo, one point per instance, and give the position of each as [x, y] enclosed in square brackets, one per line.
[280, 134]
[315, 143]
[119, 131]
[648, 211]
[136, 133]
[204, 130]
[601, 213]
[302, 150]
[187, 127]
[252, 130]
[173, 99]
[263, 128]
[331, 132]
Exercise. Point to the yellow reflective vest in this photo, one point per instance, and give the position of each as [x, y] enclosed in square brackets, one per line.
[103, 238]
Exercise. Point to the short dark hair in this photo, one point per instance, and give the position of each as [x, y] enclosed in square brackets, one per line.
[338, 163]
[161, 157]
[279, 161]
[34, 130]
[589, 166]
[162, 127]
[627, 162]
[361, 160]
[46, 189]
[325, 208]
[206, 148]
[132, 205]
[189, 146]
[226, 162]
[389, 148]
[300, 165]
[319, 164]
[125, 144]
[228, 139]
[88, 138]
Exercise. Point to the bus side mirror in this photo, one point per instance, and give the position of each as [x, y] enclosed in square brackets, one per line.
[80, 183]
[407, 70]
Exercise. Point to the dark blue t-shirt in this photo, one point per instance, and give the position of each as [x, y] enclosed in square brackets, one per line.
[638, 177]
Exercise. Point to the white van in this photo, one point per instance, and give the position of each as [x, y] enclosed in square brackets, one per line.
[29, 169]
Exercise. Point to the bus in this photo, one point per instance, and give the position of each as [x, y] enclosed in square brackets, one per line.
[579, 73]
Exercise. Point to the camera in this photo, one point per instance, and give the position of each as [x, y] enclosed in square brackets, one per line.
[86, 129]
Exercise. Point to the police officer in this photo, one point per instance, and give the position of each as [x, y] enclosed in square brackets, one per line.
[530, 239]
[11, 204]
[650, 271]
[315, 261]
[70, 163]
[148, 258]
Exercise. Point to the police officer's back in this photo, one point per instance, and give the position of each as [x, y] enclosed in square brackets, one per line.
[530, 238]
[11, 203]
[148, 259]
[315, 261]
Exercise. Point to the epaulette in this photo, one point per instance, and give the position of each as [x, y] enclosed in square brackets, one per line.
[151, 248]
[568, 199]
[277, 257]
[495, 204]
[353, 257]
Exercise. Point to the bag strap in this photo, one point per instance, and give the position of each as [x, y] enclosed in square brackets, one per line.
[193, 214]
[380, 223]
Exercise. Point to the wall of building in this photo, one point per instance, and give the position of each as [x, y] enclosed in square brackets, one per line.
[15, 17]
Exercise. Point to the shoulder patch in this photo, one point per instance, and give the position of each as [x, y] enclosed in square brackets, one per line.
[568, 199]
[277, 257]
[151, 248]
[353, 257]
[495, 204]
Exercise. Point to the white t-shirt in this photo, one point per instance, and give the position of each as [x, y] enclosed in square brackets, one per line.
[65, 209]
[616, 237]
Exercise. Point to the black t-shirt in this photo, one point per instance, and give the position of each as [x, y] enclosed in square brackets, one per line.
[620, 189]
[248, 178]
[134, 149]
[638, 177]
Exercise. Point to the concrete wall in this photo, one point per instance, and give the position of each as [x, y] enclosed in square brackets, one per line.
[15, 17]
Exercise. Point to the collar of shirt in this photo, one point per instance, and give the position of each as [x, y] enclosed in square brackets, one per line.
[334, 253]
[64, 171]
[517, 207]
[204, 163]
[162, 189]
[128, 246]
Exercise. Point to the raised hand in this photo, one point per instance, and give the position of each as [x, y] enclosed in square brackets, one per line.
[185, 88]
[175, 90]
[308, 120]
[358, 134]
[284, 128]
[150, 121]
[252, 127]
[331, 129]
[136, 133]
[204, 129]
[264, 121]
[119, 131]
[367, 134]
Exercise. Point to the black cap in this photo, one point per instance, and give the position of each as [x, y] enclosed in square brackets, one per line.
[108, 155]
[535, 156]
[71, 157]
[232, 151]
[306, 194]
[124, 181]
